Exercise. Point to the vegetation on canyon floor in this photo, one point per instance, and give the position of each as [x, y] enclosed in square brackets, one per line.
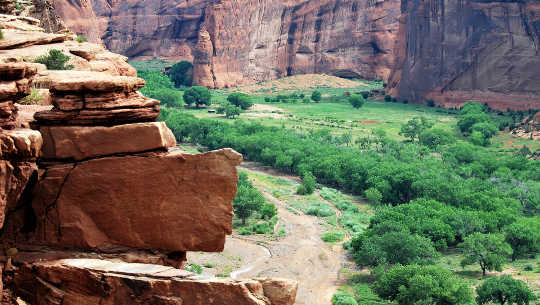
[449, 201]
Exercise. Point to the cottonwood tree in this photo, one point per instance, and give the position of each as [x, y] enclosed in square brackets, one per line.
[197, 95]
[413, 128]
[504, 290]
[490, 251]
[248, 199]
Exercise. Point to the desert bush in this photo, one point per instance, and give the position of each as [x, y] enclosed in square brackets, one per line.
[55, 60]
[32, 99]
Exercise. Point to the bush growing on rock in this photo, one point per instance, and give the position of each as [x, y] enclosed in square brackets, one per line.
[1, 34]
[55, 60]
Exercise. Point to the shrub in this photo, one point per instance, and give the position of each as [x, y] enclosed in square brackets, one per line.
[332, 237]
[308, 184]
[232, 111]
[405, 101]
[316, 96]
[365, 94]
[194, 268]
[431, 103]
[343, 298]
[387, 98]
[33, 98]
[373, 196]
[434, 137]
[357, 101]
[528, 267]
[267, 99]
[1, 34]
[55, 60]
[268, 210]
[306, 100]
[81, 39]
[320, 209]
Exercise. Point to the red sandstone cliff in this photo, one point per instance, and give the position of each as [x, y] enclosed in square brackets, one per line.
[247, 40]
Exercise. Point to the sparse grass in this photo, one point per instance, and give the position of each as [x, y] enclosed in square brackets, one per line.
[33, 98]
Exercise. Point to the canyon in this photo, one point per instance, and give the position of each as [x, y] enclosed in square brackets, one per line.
[446, 51]
[97, 204]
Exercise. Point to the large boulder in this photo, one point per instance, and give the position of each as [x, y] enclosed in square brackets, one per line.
[164, 201]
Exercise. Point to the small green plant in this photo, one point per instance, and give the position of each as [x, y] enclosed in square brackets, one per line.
[528, 267]
[332, 237]
[1, 34]
[18, 6]
[32, 99]
[194, 268]
[55, 60]
[316, 96]
[210, 265]
[81, 39]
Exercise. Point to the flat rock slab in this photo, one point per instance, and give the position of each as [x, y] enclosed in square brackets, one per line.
[87, 81]
[164, 201]
[108, 100]
[84, 281]
[18, 39]
[98, 117]
[80, 142]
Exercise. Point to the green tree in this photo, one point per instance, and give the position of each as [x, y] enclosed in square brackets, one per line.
[308, 184]
[232, 111]
[524, 237]
[490, 251]
[413, 128]
[55, 60]
[356, 100]
[247, 200]
[472, 107]
[268, 210]
[434, 137]
[160, 87]
[240, 100]
[414, 285]
[504, 290]
[393, 248]
[316, 96]
[181, 74]
[197, 95]
[373, 196]
[467, 121]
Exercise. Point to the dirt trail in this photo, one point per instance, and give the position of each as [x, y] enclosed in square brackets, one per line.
[301, 255]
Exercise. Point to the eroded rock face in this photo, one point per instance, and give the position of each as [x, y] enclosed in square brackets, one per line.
[235, 42]
[454, 51]
[99, 204]
[92, 281]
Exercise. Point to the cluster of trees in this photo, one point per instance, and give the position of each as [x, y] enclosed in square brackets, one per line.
[476, 124]
[198, 96]
[160, 87]
[250, 201]
[235, 104]
[293, 98]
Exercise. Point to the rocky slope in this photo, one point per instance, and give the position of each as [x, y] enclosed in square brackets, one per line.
[97, 206]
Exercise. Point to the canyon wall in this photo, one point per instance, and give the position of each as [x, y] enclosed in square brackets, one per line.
[244, 41]
[454, 51]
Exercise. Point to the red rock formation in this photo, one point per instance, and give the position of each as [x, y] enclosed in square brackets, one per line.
[454, 51]
[247, 41]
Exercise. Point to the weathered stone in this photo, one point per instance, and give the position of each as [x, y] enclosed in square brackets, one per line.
[14, 71]
[80, 143]
[20, 144]
[97, 204]
[14, 177]
[84, 81]
[98, 117]
[13, 90]
[279, 291]
[108, 100]
[86, 281]
[7, 109]
[18, 39]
